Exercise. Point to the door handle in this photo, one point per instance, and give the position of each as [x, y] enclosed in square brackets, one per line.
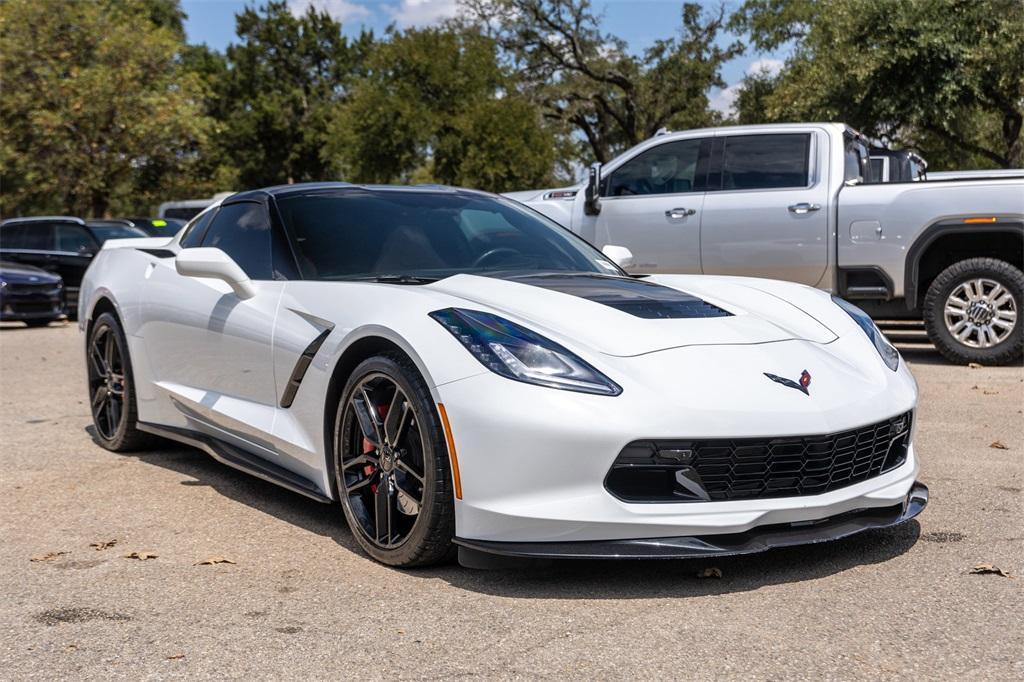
[677, 213]
[803, 208]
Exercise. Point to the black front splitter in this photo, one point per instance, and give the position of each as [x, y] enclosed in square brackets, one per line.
[487, 554]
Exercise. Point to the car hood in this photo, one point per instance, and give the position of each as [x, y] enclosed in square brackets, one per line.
[626, 317]
[16, 272]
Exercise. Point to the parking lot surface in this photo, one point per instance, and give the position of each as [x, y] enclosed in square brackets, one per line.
[298, 600]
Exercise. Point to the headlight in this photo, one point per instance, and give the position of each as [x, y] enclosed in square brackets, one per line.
[517, 353]
[890, 356]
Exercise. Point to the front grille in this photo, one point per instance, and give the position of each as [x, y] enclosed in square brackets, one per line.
[757, 468]
[31, 307]
[17, 288]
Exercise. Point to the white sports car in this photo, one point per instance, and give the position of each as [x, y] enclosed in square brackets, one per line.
[460, 372]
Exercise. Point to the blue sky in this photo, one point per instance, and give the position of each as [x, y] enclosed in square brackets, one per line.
[638, 22]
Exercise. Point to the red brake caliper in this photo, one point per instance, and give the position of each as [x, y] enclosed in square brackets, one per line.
[368, 470]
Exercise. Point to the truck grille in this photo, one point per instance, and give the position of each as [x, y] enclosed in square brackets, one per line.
[757, 468]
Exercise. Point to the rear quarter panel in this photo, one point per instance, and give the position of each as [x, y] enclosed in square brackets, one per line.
[878, 223]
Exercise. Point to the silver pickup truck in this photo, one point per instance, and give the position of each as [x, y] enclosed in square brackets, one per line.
[795, 202]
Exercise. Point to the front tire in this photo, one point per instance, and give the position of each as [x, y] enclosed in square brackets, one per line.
[391, 465]
[972, 312]
[112, 388]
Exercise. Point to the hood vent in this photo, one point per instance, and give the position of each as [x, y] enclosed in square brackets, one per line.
[642, 299]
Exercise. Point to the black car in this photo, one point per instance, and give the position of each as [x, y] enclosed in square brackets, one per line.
[31, 295]
[158, 227]
[59, 244]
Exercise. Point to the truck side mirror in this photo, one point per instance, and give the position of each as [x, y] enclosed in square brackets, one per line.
[592, 194]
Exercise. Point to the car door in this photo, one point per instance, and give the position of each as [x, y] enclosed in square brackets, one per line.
[29, 242]
[208, 348]
[767, 206]
[652, 205]
[74, 250]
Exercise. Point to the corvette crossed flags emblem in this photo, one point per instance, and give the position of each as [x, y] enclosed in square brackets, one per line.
[801, 385]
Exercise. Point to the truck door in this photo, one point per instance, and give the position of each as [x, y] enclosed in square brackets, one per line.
[652, 205]
[767, 206]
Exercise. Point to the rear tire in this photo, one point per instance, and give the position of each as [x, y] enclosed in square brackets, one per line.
[972, 312]
[391, 465]
[112, 388]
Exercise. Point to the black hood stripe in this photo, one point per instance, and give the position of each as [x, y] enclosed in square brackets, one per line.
[634, 296]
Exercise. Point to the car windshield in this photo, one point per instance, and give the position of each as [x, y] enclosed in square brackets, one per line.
[415, 234]
[105, 232]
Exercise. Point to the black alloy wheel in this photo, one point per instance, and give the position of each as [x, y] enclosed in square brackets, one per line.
[111, 392]
[391, 465]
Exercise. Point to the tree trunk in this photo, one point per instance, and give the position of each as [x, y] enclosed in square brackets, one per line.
[100, 204]
[1011, 138]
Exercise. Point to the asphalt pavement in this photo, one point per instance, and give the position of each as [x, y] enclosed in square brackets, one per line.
[298, 600]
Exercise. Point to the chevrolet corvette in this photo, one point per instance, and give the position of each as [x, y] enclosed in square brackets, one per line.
[464, 376]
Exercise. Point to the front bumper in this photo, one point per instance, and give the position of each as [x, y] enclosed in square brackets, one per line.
[481, 553]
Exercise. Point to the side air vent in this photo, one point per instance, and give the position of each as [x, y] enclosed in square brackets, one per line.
[300, 368]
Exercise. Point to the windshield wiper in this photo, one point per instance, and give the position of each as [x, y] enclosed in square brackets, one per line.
[398, 279]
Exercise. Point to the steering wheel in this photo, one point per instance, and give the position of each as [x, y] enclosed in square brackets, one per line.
[487, 255]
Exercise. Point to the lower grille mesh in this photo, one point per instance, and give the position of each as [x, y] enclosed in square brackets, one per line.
[757, 468]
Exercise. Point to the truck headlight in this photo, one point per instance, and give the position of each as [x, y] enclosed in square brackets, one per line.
[517, 353]
[890, 356]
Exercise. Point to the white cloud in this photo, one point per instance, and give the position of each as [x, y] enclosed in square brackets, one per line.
[422, 12]
[769, 66]
[340, 10]
[724, 100]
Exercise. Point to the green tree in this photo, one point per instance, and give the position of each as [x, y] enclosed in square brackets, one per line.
[436, 106]
[283, 79]
[96, 113]
[945, 76]
[588, 82]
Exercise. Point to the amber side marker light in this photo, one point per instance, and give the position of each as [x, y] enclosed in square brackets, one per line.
[979, 220]
[451, 450]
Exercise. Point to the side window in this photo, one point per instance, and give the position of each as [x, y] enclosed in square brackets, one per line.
[766, 161]
[196, 230]
[243, 232]
[74, 239]
[670, 168]
[31, 236]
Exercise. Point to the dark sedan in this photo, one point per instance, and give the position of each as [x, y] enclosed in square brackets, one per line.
[31, 295]
[62, 245]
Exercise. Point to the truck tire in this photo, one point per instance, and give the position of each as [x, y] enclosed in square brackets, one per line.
[972, 312]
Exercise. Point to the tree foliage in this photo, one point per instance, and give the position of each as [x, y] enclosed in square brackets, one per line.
[278, 90]
[946, 76]
[588, 82]
[95, 114]
[434, 105]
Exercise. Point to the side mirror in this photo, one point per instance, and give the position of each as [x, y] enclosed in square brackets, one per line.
[215, 264]
[592, 192]
[620, 255]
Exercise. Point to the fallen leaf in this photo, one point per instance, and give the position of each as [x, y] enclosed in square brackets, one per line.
[213, 560]
[103, 544]
[710, 572]
[50, 556]
[141, 556]
[176, 657]
[974, 365]
[998, 445]
[990, 392]
[986, 569]
[974, 387]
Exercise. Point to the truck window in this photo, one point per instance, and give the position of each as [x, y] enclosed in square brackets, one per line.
[670, 168]
[29, 236]
[766, 161]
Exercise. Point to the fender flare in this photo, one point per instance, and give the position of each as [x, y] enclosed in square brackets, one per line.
[930, 235]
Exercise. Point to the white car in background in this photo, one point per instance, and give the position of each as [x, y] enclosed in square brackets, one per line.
[460, 372]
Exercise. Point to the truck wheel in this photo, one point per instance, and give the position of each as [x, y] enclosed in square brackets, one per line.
[972, 312]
